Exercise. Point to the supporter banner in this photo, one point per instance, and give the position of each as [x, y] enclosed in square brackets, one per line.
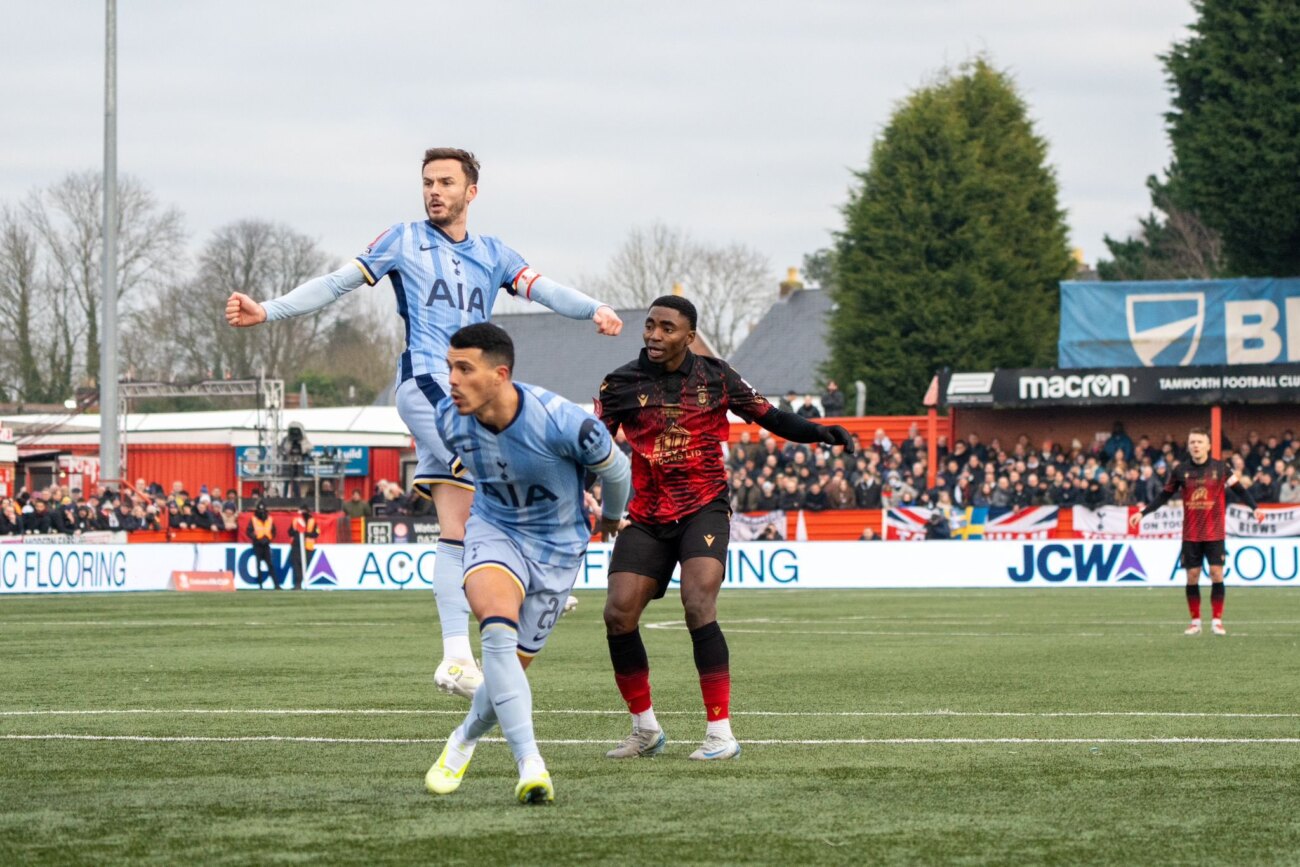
[399, 530]
[1278, 522]
[750, 565]
[1111, 522]
[1177, 323]
[1036, 522]
[975, 522]
[745, 528]
[1030, 387]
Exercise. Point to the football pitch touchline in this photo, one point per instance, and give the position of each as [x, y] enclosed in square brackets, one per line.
[324, 711]
[198, 623]
[204, 739]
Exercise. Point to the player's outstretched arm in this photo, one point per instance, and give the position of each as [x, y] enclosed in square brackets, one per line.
[242, 311]
[794, 427]
[567, 301]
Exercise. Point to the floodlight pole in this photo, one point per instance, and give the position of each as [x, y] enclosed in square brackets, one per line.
[109, 454]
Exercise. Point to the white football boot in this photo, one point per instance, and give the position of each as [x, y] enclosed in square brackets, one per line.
[458, 677]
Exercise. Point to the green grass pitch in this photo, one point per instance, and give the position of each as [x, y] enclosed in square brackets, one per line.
[879, 727]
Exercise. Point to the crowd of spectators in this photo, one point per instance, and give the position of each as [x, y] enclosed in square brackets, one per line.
[1110, 471]
[766, 476]
[146, 506]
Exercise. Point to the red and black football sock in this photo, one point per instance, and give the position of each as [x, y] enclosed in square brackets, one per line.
[1217, 592]
[1194, 600]
[713, 663]
[631, 670]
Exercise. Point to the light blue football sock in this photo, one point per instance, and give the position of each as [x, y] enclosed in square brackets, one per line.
[480, 719]
[449, 594]
[507, 685]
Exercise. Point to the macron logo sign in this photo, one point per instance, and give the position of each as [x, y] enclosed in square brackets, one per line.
[1079, 387]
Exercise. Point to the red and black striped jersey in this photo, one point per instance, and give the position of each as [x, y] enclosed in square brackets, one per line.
[1204, 487]
[676, 424]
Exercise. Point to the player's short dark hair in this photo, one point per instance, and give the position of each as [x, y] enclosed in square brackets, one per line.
[1199, 430]
[492, 340]
[467, 160]
[680, 304]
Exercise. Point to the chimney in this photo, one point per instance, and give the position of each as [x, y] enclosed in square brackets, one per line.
[791, 284]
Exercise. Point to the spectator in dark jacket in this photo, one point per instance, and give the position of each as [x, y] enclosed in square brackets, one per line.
[808, 409]
[37, 521]
[867, 491]
[816, 499]
[1119, 441]
[1264, 490]
[11, 523]
[791, 498]
[937, 526]
[833, 400]
[64, 519]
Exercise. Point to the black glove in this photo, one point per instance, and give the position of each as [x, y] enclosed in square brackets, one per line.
[838, 436]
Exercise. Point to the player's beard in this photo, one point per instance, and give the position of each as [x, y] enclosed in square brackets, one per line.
[453, 214]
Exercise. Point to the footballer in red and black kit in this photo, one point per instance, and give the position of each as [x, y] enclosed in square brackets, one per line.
[672, 406]
[1204, 482]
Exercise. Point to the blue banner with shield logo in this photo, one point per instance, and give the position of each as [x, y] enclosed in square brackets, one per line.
[1176, 323]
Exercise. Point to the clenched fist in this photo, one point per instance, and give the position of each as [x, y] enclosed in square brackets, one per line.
[242, 311]
[607, 321]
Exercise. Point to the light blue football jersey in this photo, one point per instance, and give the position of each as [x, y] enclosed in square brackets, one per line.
[528, 477]
[441, 287]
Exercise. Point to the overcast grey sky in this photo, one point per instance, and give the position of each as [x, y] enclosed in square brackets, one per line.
[740, 120]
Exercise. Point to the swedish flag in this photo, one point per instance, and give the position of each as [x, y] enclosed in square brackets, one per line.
[969, 524]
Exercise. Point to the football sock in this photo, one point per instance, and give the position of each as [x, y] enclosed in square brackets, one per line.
[1194, 600]
[449, 593]
[507, 685]
[719, 727]
[458, 751]
[632, 674]
[531, 766]
[1217, 592]
[480, 719]
[713, 664]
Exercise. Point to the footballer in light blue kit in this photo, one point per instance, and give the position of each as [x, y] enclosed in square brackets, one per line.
[444, 278]
[529, 451]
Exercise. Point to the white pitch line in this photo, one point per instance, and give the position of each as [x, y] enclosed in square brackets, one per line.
[203, 623]
[324, 711]
[203, 739]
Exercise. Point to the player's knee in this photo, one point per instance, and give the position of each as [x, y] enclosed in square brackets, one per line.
[700, 611]
[620, 619]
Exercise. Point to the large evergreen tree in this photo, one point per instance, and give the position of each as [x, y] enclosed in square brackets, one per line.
[1230, 205]
[953, 244]
[1235, 129]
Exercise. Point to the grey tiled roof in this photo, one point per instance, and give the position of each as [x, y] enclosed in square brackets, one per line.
[567, 356]
[788, 345]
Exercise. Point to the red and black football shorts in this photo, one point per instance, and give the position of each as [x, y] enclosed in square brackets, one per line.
[654, 550]
[1196, 552]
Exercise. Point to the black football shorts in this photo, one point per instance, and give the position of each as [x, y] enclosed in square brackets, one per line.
[654, 550]
[1196, 552]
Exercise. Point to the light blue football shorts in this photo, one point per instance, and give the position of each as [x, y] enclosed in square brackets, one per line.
[546, 588]
[435, 464]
